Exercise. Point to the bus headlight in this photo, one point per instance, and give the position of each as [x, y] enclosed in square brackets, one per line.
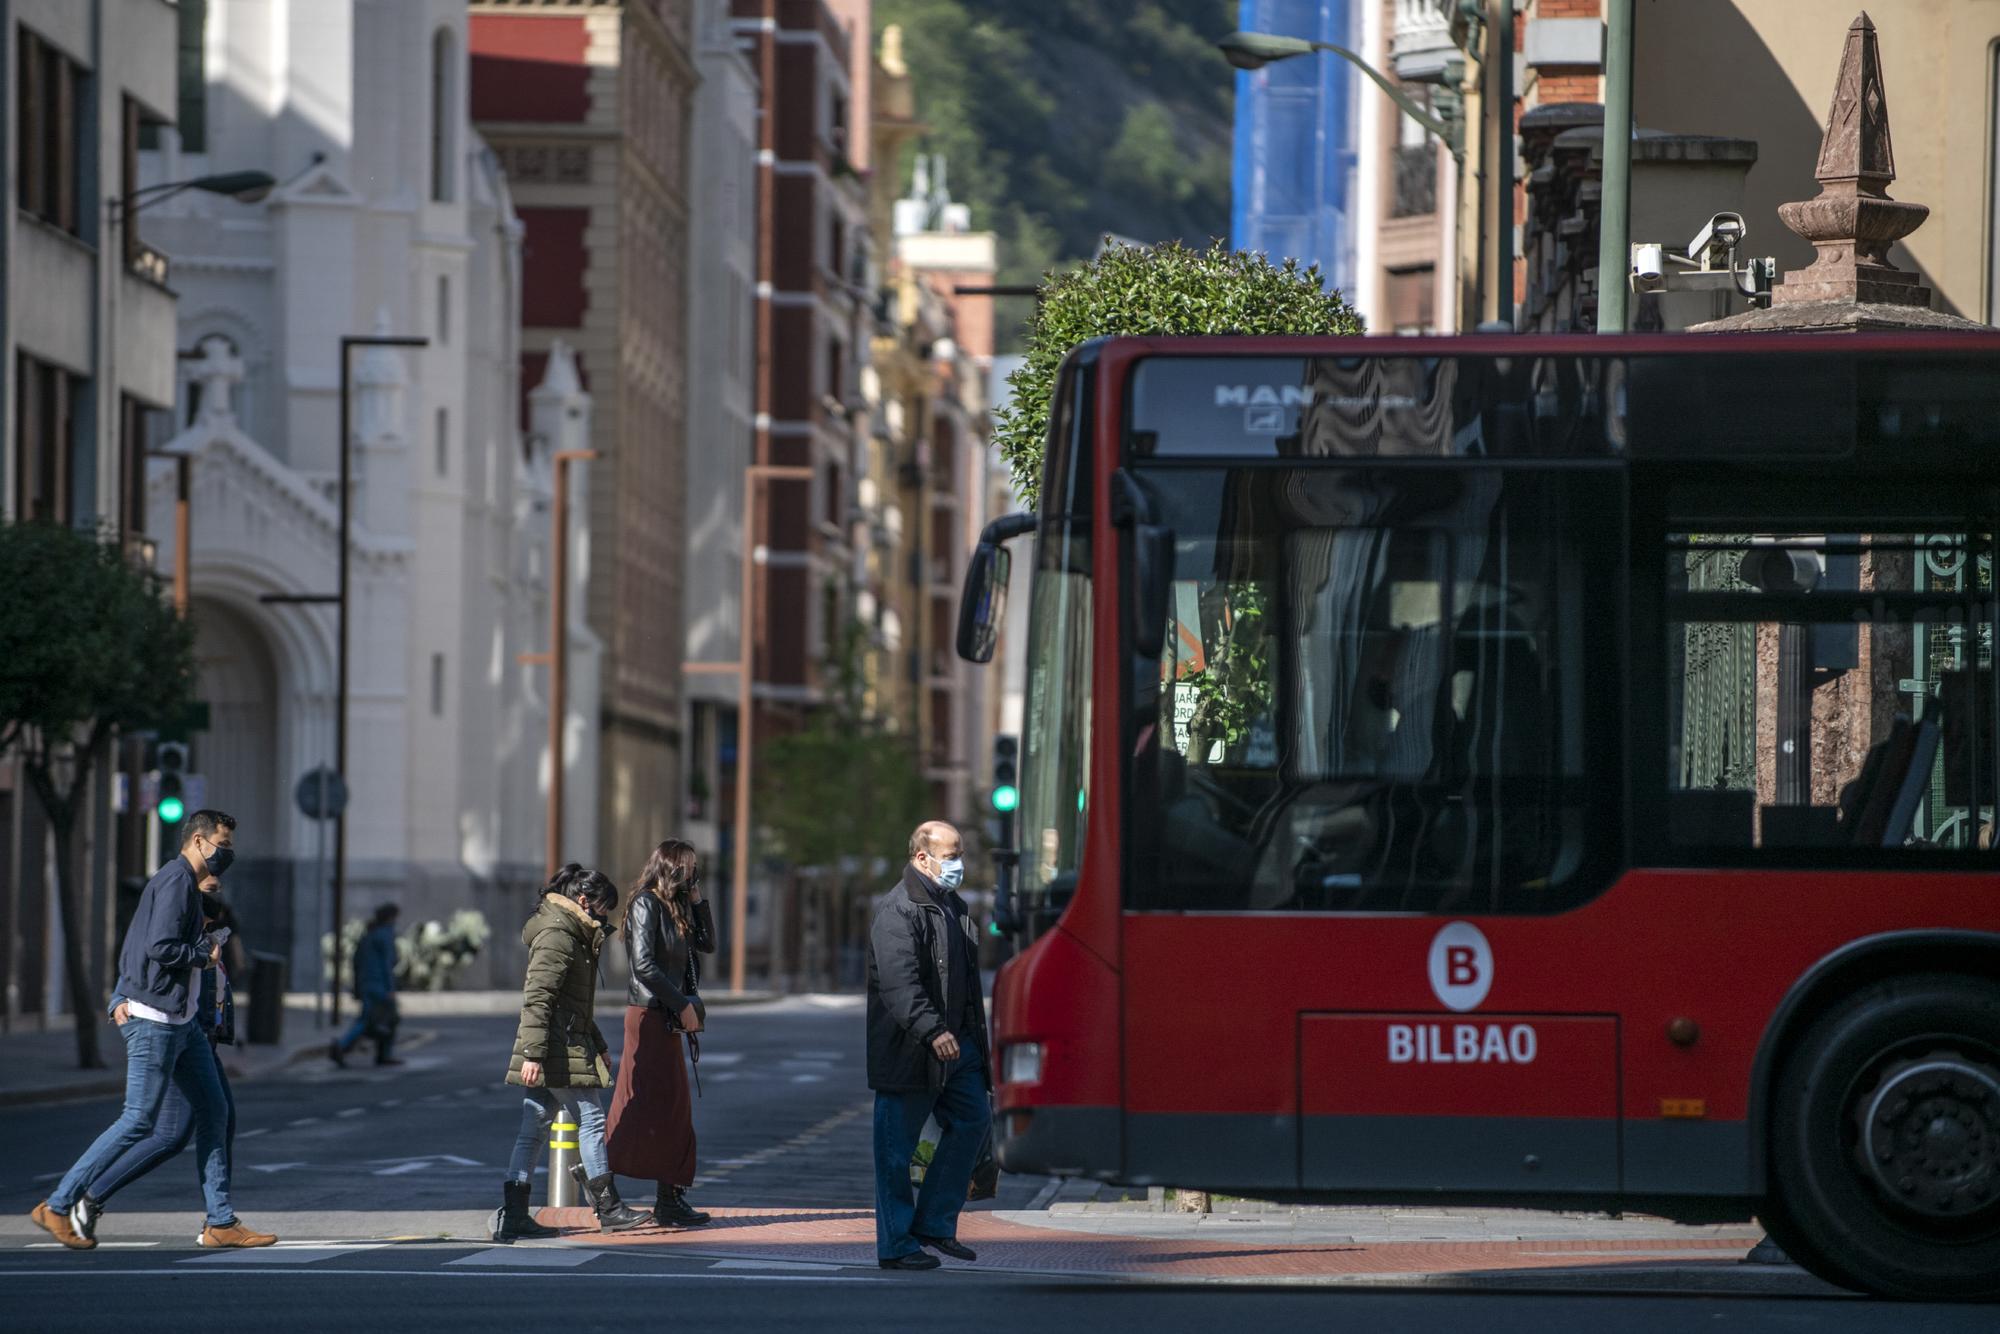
[1021, 1063]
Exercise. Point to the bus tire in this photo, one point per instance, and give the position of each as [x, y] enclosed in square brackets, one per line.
[1885, 1140]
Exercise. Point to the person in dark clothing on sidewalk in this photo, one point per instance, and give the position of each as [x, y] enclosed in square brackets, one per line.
[927, 1051]
[159, 966]
[375, 990]
[650, 1131]
[175, 1127]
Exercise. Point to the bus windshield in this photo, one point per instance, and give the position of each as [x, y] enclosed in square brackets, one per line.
[1373, 694]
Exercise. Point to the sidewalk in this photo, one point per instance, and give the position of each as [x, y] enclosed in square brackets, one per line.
[1455, 1248]
[40, 1066]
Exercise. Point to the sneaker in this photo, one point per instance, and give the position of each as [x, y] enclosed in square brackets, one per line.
[232, 1235]
[914, 1260]
[56, 1224]
[335, 1054]
[83, 1216]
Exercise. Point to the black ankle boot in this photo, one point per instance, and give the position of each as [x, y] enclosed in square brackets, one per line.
[613, 1214]
[516, 1219]
[673, 1210]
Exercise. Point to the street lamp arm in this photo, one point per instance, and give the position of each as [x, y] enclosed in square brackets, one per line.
[1411, 107]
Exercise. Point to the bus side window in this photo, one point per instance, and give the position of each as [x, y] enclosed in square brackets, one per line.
[1813, 711]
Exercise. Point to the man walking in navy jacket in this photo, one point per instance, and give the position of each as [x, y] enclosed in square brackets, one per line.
[159, 970]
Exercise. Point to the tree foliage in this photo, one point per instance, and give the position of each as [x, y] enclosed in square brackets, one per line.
[88, 648]
[1164, 289]
[842, 791]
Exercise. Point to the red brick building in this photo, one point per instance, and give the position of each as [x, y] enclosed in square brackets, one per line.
[587, 103]
[813, 324]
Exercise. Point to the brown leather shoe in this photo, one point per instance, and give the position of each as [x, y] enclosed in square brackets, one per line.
[235, 1235]
[56, 1223]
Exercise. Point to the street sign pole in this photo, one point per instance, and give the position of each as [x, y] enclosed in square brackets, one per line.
[319, 896]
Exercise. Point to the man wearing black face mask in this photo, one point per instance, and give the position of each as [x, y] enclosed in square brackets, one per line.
[159, 969]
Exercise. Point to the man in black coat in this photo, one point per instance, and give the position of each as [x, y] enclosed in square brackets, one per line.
[927, 1051]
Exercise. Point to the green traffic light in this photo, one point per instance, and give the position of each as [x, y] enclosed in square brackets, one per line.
[1006, 797]
[171, 810]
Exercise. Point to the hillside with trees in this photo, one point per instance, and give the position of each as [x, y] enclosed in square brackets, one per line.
[1062, 121]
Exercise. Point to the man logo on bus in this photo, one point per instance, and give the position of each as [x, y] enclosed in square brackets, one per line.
[1461, 966]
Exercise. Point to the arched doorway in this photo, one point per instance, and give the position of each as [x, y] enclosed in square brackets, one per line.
[236, 675]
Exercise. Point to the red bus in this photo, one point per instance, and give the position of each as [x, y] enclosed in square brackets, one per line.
[1553, 771]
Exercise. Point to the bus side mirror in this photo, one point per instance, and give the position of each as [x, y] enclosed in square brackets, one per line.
[983, 605]
[1152, 587]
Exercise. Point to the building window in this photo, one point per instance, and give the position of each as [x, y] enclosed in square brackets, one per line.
[437, 685]
[46, 400]
[1412, 299]
[49, 91]
[142, 429]
[1415, 162]
[191, 111]
[444, 442]
[836, 370]
[444, 308]
[444, 107]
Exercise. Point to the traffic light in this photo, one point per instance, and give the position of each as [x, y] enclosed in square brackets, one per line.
[172, 804]
[1006, 791]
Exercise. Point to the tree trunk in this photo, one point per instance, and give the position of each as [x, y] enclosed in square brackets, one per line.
[61, 809]
[82, 995]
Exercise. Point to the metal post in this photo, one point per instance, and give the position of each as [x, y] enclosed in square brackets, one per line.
[348, 343]
[181, 525]
[739, 910]
[319, 888]
[1614, 227]
[562, 1157]
[559, 648]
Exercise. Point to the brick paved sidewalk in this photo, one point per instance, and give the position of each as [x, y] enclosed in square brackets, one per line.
[1035, 1241]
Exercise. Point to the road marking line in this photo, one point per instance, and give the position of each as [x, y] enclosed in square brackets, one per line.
[303, 1121]
[69, 1272]
[302, 1253]
[351, 1111]
[810, 1265]
[545, 1257]
[253, 1134]
[390, 1102]
[102, 1245]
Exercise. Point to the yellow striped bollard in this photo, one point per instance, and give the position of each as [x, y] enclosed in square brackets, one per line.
[563, 1192]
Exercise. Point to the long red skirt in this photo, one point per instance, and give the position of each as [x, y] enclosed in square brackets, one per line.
[650, 1133]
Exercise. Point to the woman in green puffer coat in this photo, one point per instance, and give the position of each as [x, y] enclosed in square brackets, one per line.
[559, 1050]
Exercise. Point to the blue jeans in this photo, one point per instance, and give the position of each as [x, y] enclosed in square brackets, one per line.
[538, 1108]
[963, 1111]
[157, 1056]
[169, 1136]
[379, 1017]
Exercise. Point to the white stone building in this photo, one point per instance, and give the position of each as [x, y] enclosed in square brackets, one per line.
[390, 217]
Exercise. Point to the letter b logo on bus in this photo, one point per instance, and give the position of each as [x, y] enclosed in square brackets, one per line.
[1461, 966]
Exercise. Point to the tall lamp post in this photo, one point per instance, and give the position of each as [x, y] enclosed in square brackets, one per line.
[557, 656]
[744, 667]
[1254, 50]
[1614, 218]
[348, 343]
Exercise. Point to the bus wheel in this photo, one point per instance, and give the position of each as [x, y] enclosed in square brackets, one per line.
[1885, 1140]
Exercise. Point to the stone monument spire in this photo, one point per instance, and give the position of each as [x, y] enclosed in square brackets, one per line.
[1851, 285]
[1854, 222]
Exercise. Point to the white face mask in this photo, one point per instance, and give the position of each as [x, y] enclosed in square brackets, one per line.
[951, 872]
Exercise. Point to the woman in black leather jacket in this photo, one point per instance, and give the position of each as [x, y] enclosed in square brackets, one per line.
[651, 1129]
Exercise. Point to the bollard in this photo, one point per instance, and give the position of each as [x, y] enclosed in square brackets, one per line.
[562, 1156]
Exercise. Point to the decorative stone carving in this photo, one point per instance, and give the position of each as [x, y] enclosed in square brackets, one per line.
[1853, 222]
[215, 374]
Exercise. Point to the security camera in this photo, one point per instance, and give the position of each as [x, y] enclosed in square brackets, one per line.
[1649, 268]
[1724, 232]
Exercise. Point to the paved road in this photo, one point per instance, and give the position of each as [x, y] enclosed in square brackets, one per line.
[380, 1182]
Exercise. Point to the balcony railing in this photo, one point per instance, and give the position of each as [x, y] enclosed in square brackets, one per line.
[1416, 185]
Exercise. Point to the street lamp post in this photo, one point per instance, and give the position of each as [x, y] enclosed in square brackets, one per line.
[1614, 218]
[1254, 50]
[340, 599]
[557, 656]
[744, 667]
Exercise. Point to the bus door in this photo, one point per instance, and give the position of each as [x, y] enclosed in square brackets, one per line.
[1387, 760]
